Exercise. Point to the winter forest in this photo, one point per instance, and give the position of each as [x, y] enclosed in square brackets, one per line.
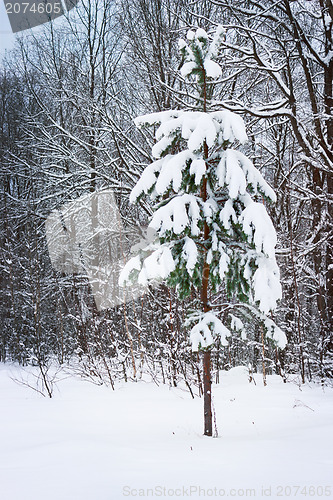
[166, 252]
[211, 122]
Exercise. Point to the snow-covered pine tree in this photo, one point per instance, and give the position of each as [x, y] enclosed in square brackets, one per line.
[212, 231]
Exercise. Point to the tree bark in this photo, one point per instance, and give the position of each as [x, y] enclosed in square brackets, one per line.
[207, 381]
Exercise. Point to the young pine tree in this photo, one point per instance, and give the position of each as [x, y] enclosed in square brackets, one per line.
[210, 230]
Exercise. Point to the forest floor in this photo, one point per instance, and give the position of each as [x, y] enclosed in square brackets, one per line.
[145, 441]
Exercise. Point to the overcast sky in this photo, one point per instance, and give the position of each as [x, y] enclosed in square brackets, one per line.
[7, 38]
[6, 35]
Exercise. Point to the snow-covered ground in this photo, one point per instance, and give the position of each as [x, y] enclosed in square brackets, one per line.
[91, 443]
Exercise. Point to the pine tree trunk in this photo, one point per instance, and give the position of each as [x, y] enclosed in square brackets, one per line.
[207, 381]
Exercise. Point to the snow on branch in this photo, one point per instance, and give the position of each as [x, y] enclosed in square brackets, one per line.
[266, 284]
[237, 171]
[206, 330]
[180, 212]
[198, 53]
[259, 228]
[197, 128]
[158, 265]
